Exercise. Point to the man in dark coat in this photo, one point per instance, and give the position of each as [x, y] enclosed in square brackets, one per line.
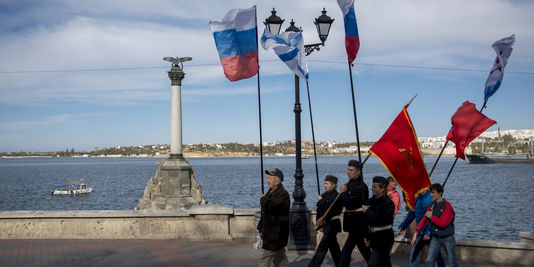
[274, 223]
[354, 194]
[380, 220]
[331, 224]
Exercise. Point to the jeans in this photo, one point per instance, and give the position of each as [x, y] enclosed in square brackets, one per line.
[417, 259]
[436, 243]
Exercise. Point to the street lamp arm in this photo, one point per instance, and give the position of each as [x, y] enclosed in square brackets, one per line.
[309, 48]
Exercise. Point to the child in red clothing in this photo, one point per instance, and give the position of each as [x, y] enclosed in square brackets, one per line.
[394, 195]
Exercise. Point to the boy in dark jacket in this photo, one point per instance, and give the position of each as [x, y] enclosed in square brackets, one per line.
[274, 223]
[353, 195]
[441, 216]
[331, 224]
[380, 220]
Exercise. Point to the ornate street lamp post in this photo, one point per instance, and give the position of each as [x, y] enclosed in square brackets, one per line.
[300, 214]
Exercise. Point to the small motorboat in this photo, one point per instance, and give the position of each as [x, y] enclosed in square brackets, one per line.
[72, 188]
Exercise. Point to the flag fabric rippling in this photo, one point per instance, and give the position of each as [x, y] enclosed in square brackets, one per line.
[237, 43]
[289, 46]
[352, 39]
[398, 150]
[467, 124]
[503, 48]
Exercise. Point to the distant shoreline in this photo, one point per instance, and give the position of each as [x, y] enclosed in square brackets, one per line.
[201, 156]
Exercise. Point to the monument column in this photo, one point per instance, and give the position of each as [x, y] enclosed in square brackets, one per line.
[174, 185]
[176, 75]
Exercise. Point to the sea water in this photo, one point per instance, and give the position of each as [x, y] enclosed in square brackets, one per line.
[490, 201]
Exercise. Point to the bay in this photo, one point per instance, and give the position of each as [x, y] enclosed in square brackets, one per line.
[491, 201]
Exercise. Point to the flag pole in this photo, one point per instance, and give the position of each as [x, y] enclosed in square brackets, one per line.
[261, 138]
[449, 174]
[354, 112]
[313, 138]
[366, 158]
[439, 156]
[320, 221]
[259, 103]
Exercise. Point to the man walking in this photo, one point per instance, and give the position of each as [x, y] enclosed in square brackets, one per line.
[274, 222]
[354, 194]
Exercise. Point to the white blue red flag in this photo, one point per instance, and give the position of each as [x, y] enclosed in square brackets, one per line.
[237, 42]
[289, 46]
[352, 39]
[503, 48]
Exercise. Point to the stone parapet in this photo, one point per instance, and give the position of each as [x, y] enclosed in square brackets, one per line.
[210, 222]
[206, 222]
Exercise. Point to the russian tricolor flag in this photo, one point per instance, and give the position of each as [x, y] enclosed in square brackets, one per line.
[237, 42]
[352, 40]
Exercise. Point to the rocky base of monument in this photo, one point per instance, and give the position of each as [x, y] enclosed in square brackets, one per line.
[173, 187]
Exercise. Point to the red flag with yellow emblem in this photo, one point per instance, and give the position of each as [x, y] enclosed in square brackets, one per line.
[398, 150]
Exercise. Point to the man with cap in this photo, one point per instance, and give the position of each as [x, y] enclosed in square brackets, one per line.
[274, 222]
[354, 194]
[331, 224]
[379, 215]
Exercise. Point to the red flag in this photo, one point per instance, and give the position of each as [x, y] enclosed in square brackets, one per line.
[398, 150]
[467, 124]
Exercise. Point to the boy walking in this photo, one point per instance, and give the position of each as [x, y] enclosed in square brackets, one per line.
[331, 224]
[441, 216]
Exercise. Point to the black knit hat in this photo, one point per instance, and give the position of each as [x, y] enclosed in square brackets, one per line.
[331, 178]
[380, 180]
[354, 163]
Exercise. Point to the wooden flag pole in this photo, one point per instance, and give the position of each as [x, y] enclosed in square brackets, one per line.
[321, 220]
[313, 138]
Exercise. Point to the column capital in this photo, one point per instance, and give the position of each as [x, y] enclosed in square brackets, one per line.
[176, 75]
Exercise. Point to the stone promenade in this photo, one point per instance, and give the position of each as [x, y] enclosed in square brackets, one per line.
[149, 252]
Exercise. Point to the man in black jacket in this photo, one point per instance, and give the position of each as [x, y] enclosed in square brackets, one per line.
[354, 194]
[331, 224]
[274, 222]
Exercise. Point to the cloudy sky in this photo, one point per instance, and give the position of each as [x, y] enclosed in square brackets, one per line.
[84, 74]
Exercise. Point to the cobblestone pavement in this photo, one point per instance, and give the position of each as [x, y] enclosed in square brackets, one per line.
[149, 252]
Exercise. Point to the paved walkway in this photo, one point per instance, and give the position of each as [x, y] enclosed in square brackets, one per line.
[136, 252]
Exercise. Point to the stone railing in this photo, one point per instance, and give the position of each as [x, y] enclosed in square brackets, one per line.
[210, 222]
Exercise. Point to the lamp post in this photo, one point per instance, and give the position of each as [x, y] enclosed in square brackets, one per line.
[300, 214]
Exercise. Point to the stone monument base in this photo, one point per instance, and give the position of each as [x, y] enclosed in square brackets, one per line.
[173, 187]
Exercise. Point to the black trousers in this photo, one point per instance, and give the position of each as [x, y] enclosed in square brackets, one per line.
[329, 242]
[381, 243]
[355, 238]
[380, 257]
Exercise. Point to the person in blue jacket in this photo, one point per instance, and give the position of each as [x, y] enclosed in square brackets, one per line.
[422, 201]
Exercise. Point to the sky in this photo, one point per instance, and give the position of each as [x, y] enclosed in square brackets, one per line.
[85, 74]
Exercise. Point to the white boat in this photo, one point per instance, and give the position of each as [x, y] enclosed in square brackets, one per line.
[72, 188]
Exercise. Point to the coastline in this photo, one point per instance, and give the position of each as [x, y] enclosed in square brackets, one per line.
[426, 153]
